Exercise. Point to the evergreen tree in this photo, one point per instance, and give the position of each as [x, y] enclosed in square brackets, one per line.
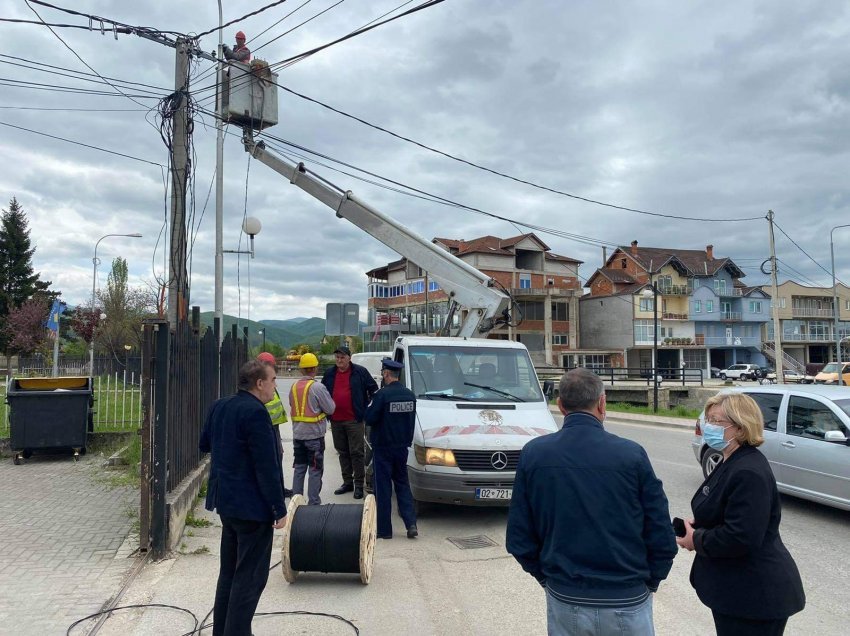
[18, 280]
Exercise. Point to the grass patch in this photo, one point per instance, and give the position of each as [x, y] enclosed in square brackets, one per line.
[202, 493]
[677, 411]
[196, 522]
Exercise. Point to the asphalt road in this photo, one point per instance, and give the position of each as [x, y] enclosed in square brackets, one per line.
[428, 586]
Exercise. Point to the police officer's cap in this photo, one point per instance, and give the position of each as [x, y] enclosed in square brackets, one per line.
[388, 363]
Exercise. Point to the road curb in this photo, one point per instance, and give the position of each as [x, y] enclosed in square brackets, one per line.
[624, 418]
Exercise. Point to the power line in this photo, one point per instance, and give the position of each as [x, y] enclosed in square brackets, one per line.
[74, 74]
[360, 31]
[79, 143]
[95, 18]
[59, 88]
[83, 110]
[47, 24]
[247, 15]
[804, 251]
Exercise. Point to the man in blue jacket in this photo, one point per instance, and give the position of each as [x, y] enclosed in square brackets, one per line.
[589, 520]
[246, 489]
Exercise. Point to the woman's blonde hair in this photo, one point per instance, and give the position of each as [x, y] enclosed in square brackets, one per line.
[742, 411]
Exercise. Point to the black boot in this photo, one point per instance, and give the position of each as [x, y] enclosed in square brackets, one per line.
[344, 489]
[358, 491]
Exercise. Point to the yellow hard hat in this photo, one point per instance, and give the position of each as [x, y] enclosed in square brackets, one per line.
[308, 361]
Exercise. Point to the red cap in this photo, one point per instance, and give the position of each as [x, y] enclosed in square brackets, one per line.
[265, 356]
[240, 35]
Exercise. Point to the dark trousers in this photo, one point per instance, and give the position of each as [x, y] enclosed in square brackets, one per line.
[349, 438]
[390, 466]
[726, 625]
[246, 549]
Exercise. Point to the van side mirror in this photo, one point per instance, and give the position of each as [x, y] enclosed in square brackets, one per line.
[548, 389]
[836, 437]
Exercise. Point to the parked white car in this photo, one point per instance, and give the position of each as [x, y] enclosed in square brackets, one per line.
[806, 440]
[740, 372]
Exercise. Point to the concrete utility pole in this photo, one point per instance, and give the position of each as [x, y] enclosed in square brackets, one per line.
[836, 307]
[177, 274]
[774, 291]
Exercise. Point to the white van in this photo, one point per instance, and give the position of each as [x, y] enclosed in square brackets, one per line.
[372, 361]
[478, 402]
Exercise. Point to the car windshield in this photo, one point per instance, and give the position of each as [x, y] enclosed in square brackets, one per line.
[844, 405]
[832, 367]
[473, 374]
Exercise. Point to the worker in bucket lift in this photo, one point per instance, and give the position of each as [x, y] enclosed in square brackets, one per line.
[239, 53]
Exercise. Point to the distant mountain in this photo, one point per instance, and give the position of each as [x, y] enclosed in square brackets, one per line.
[286, 333]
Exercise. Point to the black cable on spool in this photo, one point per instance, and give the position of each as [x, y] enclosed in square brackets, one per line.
[326, 538]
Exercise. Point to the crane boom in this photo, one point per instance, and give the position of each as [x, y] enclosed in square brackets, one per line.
[466, 286]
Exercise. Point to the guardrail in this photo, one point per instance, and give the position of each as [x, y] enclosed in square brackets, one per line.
[679, 375]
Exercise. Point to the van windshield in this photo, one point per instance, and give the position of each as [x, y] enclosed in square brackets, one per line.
[477, 374]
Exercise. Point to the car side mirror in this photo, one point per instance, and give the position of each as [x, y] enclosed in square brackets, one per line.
[836, 437]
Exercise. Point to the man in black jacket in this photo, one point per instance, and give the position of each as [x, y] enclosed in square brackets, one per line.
[351, 387]
[589, 520]
[246, 489]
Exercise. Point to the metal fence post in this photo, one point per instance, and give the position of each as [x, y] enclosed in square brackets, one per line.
[160, 439]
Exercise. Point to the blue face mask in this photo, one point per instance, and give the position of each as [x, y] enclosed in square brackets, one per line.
[712, 434]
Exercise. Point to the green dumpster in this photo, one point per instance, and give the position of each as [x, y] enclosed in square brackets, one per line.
[49, 414]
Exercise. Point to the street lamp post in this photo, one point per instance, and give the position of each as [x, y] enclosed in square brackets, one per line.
[654, 293]
[93, 284]
[835, 306]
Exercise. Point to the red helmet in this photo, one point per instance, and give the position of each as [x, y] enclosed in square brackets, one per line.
[265, 356]
[240, 35]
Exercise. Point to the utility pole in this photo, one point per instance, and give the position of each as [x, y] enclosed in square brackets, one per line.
[219, 179]
[774, 291]
[177, 275]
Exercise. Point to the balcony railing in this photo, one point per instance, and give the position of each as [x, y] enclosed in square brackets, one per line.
[732, 292]
[541, 291]
[671, 316]
[804, 337]
[675, 290]
[734, 341]
[811, 312]
[730, 315]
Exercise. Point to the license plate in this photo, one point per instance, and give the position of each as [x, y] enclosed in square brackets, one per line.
[493, 493]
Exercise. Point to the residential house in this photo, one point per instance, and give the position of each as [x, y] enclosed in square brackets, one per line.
[706, 316]
[807, 323]
[545, 287]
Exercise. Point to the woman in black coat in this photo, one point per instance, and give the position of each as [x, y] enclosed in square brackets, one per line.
[742, 570]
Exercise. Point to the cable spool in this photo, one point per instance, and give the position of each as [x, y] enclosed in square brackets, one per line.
[334, 538]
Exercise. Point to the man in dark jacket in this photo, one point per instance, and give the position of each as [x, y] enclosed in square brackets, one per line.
[589, 519]
[392, 417]
[351, 387]
[246, 489]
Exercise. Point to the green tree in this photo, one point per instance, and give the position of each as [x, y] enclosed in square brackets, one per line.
[125, 308]
[18, 280]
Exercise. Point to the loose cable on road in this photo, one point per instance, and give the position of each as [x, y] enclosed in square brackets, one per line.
[334, 538]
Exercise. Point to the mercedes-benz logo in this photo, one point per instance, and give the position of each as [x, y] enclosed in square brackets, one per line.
[499, 460]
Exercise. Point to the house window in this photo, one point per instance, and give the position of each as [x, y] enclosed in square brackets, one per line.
[433, 286]
[782, 303]
[531, 310]
[560, 339]
[846, 304]
[560, 311]
[647, 304]
[709, 306]
[755, 306]
[623, 263]
[719, 286]
[643, 331]
[525, 281]
[697, 306]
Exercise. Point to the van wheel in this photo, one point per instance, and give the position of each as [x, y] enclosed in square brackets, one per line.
[710, 459]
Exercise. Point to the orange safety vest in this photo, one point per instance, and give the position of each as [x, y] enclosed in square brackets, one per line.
[299, 405]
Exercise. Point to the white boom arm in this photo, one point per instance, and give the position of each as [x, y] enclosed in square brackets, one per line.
[465, 285]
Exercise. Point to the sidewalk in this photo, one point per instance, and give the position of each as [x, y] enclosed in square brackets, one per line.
[63, 548]
[638, 418]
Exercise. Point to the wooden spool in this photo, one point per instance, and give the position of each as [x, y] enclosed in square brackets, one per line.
[368, 538]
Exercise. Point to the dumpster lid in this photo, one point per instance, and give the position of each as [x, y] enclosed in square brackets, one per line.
[51, 384]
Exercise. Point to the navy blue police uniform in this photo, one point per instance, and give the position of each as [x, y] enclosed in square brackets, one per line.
[392, 418]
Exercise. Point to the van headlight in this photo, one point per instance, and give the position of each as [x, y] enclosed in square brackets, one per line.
[434, 456]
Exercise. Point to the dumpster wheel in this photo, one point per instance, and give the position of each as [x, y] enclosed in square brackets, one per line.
[17, 459]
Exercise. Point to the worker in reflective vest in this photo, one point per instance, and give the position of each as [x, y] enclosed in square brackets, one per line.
[275, 408]
[309, 403]
[240, 52]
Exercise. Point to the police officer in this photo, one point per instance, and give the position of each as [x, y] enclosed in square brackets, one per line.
[392, 416]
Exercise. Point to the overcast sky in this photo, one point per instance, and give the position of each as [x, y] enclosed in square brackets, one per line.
[718, 110]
